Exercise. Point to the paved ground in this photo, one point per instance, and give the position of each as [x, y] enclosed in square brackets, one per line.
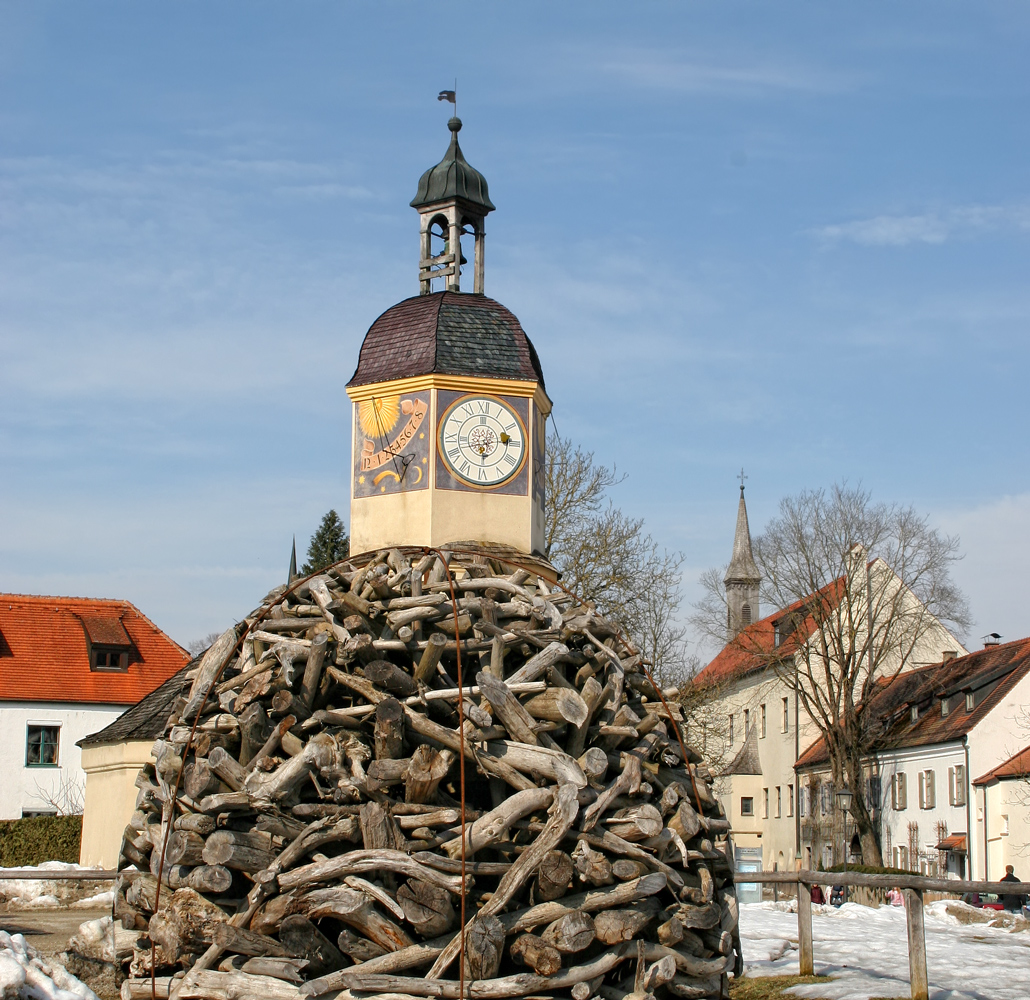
[48, 930]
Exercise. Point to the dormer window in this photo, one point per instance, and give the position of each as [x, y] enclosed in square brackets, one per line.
[970, 701]
[944, 707]
[109, 659]
[110, 647]
[915, 713]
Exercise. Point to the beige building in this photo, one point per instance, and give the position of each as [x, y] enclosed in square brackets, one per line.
[766, 727]
[112, 758]
[1003, 816]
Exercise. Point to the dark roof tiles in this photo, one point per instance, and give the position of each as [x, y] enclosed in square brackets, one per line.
[990, 674]
[147, 719]
[449, 333]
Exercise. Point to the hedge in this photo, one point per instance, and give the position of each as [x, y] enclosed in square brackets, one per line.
[36, 839]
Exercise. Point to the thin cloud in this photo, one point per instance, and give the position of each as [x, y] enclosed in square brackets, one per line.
[931, 227]
[680, 72]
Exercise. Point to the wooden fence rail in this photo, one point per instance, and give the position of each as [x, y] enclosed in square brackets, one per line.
[85, 875]
[912, 886]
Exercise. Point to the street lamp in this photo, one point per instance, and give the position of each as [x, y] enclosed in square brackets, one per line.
[844, 797]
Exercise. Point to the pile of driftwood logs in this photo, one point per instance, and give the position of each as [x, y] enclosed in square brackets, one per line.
[314, 843]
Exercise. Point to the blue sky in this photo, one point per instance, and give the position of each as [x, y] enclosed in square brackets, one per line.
[789, 237]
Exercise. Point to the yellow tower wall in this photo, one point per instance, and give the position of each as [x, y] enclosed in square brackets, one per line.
[434, 516]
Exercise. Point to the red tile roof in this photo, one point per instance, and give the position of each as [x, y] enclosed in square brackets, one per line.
[44, 652]
[989, 674]
[1017, 766]
[750, 651]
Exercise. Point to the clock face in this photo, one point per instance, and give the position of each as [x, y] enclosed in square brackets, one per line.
[482, 441]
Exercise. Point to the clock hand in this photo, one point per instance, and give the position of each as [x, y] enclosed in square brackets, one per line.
[505, 438]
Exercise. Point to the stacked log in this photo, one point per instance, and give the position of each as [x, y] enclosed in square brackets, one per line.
[301, 830]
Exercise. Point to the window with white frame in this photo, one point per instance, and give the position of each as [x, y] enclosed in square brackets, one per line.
[927, 790]
[765, 803]
[803, 801]
[779, 801]
[785, 725]
[901, 857]
[747, 721]
[730, 719]
[790, 800]
[957, 785]
[761, 717]
[747, 805]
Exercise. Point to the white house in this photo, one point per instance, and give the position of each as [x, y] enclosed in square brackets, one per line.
[765, 724]
[938, 727]
[1003, 816]
[68, 667]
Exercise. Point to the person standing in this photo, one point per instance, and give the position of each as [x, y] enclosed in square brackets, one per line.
[1011, 901]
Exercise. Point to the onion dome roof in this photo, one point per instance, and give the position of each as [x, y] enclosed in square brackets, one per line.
[450, 333]
[452, 178]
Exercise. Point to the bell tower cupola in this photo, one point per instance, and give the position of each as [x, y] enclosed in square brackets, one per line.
[450, 409]
[742, 579]
[452, 201]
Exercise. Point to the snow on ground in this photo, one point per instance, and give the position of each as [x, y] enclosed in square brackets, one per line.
[43, 892]
[26, 975]
[865, 950]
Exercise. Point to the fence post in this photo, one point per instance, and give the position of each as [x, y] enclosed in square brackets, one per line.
[916, 944]
[805, 930]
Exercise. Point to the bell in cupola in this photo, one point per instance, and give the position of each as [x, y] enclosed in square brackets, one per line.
[452, 199]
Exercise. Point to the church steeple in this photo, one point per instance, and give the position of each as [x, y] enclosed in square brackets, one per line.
[451, 196]
[742, 577]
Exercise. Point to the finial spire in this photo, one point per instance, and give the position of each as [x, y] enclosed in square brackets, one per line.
[742, 577]
[453, 201]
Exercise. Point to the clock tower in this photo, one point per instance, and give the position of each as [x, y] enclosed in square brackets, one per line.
[449, 402]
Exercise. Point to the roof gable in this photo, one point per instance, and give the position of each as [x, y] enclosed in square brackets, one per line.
[780, 633]
[49, 641]
[1017, 766]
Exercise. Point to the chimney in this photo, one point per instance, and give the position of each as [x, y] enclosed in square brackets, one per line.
[948, 655]
[991, 639]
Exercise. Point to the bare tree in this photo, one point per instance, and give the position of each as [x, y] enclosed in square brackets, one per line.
[198, 646]
[609, 559]
[66, 798]
[865, 593]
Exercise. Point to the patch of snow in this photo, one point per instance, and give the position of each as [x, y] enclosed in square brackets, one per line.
[44, 892]
[865, 950]
[26, 975]
[96, 901]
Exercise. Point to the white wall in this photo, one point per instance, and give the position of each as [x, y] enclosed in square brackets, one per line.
[895, 823]
[1003, 733]
[20, 785]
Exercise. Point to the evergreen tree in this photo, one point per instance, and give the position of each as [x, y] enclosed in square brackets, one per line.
[328, 544]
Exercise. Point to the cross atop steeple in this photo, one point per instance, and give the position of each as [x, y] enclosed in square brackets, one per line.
[742, 477]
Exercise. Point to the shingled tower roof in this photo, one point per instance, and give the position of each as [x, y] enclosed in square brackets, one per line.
[453, 177]
[742, 567]
[451, 333]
